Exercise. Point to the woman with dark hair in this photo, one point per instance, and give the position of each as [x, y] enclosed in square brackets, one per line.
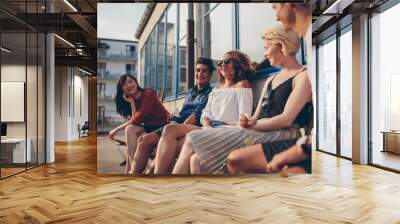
[144, 109]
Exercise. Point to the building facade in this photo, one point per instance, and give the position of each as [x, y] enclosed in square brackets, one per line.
[114, 58]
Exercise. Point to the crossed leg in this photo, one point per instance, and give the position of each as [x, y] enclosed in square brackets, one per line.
[250, 159]
[168, 145]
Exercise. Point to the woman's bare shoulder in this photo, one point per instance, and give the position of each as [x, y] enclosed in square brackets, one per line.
[243, 84]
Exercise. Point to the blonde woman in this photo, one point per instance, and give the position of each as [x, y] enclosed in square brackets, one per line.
[282, 109]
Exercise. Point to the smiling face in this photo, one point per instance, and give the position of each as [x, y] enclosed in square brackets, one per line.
[130, 87]
[273, 52]
[227, 67]
[284, 14]
[202, 75]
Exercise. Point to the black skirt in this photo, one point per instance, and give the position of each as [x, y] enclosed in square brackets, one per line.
[272, 148]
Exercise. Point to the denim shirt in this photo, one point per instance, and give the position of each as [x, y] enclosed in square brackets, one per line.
[195, 102]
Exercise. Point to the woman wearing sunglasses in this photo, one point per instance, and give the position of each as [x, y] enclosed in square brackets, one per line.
[225, 103]
[282, 109]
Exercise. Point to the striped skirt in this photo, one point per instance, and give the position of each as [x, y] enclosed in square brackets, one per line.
[213, 145]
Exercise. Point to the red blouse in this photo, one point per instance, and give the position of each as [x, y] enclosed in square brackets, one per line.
[149, 110]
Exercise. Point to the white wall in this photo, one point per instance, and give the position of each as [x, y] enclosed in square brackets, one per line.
[33, 126]
[70, 84]
[16, 73]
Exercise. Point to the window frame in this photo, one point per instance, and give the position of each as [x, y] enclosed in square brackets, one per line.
[337, 38]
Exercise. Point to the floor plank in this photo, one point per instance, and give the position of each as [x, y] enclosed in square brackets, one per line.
[70, 191]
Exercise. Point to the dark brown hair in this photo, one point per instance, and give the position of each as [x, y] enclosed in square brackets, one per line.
[242, 66]
[208, 62]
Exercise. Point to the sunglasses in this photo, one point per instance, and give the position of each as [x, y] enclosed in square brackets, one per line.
[226, 61]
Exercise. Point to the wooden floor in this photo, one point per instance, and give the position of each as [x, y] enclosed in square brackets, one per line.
[387, 159]
[70, 191]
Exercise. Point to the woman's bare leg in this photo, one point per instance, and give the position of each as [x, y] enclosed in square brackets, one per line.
[250, 159]
[182, 165]
[293, 170]
[178, 150]
[131, 133]
[194, 164]
[167, 146]
[145, 146]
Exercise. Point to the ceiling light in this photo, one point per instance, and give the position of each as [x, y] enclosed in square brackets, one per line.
[338, 6]
[86, 72]
[65, 41]
[70, 5]
[5, 50]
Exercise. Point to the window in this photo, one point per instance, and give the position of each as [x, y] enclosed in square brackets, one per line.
[182, 70]
[22, 65]
[131, 48]
[142, 63]
[327, 95]
[250, 35]
[161, 54]
[170, 89]
[147, 66]
[101, 68]
[101, 65]
[219, 39]
[101, 114]
[101, 90]
[385, 87]
[153, 59]
[130, 69]
[102, 48]
[183, 15]
[346, 93]
[103, 45]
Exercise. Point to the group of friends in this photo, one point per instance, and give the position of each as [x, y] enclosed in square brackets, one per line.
[216, 130]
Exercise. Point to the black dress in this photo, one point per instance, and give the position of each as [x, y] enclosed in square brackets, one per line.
[273, 104]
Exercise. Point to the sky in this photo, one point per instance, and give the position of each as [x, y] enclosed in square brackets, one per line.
[119, 20]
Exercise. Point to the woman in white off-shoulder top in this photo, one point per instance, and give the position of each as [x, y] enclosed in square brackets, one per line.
[232, 97]
[225, 105]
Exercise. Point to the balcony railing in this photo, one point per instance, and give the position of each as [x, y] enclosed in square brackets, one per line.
[104, 97]
[123, 55]
[106, 75]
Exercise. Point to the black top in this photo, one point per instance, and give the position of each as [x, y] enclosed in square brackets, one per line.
[274, 101]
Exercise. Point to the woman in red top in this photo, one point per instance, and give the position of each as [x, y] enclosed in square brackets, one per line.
[144, 109]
